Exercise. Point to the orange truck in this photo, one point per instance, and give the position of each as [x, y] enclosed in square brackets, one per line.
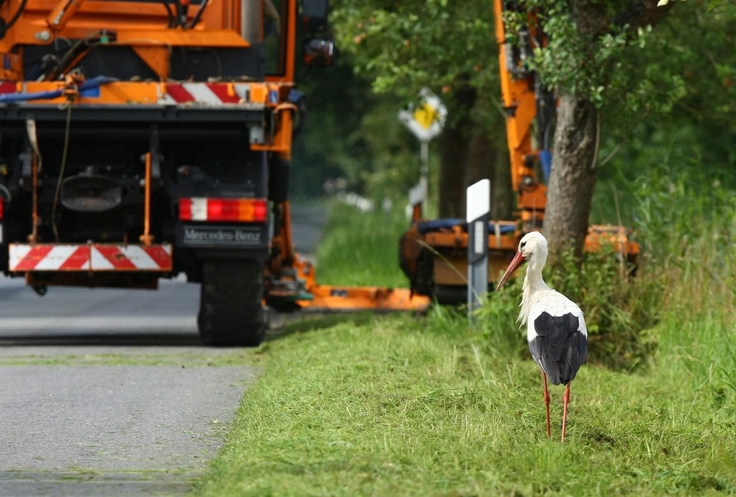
[142, 139]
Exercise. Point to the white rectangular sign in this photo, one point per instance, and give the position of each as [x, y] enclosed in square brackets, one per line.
[478, 200]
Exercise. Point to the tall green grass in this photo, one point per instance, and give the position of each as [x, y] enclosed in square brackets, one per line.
[688, 229]
[362, 247]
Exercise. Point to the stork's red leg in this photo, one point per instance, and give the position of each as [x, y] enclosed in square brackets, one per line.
[565, 401]
[546, 403]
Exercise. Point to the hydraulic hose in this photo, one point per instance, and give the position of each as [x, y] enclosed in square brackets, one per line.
[91, 83]
[4, 29]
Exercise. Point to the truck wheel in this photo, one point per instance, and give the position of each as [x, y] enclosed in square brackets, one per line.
[230, 309]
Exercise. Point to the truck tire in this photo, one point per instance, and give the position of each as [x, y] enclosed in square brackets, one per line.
[230, 308]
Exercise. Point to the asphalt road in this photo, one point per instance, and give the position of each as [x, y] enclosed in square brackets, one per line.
[109, 392]
[307, 223]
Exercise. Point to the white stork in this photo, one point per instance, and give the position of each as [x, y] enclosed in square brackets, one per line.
[556, 332]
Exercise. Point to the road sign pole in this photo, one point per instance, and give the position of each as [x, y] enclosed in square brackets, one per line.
[425, 121]
[424, 173]
[477, 210]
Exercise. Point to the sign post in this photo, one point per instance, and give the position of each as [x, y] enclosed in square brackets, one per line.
[477, 210]
[425, 122]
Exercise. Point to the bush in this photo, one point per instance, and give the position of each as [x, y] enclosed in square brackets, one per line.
[618, 307]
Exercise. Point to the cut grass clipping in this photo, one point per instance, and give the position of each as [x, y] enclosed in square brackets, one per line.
[396, 406]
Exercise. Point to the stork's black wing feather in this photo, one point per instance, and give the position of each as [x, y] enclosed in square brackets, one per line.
[560, 348]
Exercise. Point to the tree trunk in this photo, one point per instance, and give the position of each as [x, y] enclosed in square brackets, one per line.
[454, 154]
[489, 159]
[570, 189]
[481, 159]
[502, 193]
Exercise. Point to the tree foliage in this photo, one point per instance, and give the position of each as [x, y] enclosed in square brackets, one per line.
[351, 133]
[662, 96]
[403, 46]
[447, 47]
[587, 62]
[593, 53]
[695, 139]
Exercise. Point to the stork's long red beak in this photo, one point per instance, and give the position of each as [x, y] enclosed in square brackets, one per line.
[517, 261]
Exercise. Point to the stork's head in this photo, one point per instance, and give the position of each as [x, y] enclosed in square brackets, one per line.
[532, 249]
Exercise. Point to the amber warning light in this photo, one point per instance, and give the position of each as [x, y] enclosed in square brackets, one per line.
[223, 209]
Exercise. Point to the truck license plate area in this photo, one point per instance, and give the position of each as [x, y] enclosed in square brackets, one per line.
[222, 236]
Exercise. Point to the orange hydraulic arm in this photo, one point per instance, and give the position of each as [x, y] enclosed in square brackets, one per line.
[61, 14]
[520, 92]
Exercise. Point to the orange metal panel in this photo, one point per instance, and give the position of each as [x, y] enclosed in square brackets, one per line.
[532, 203]
[282, 137]
[452, 270]
[258, 94]
[346, 298]
[126, 92]
[111, 93]
[459, 241]
[15, 70]
[141, 21]
[156, 57]
[178, 38]
[114, 16]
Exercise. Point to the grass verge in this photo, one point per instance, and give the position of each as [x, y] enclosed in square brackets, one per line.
[403, 407]
[390, 406]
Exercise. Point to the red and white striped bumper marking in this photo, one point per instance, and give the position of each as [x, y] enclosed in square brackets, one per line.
[211, 94]
[99, 257]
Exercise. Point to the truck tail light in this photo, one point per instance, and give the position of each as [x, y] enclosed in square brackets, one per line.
[2, 208]
[223, 209]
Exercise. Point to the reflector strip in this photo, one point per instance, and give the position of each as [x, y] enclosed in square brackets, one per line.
[27, 257]
[77, 260]
[160, 255]
[101, 257]
[223, 209]
[185, 209]
[213, 94]
[114, 256]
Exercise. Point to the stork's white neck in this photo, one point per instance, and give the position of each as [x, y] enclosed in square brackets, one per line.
[533, 285]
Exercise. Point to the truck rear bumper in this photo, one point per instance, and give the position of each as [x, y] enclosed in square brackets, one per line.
[89, 257]
[134, 113]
